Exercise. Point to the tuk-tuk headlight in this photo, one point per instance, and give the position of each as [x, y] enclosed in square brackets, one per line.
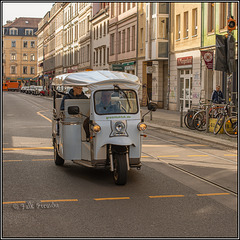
[119, 127]
[141, 126]
[96, 128]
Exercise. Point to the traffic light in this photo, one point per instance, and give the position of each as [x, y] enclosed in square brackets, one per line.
[231, 24]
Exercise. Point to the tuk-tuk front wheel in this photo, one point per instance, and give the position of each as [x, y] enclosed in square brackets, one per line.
[120, 169]
[57, 159]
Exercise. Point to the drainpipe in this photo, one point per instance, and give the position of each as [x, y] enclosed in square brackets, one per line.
[169, 42]
[137, 44]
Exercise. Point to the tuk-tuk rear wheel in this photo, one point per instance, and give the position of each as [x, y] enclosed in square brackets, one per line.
[120, 169]
[57, 159]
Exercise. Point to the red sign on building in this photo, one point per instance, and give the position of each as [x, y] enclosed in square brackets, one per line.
[184, 61]
[208, 58]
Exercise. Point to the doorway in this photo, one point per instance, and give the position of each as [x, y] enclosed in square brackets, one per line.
[186, 88]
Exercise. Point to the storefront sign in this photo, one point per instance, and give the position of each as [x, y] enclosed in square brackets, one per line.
[129, 68]
[118, 67]
[208, 58]
[184, 61]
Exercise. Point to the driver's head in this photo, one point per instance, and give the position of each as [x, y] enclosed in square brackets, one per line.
[106, 98]
[77, 90]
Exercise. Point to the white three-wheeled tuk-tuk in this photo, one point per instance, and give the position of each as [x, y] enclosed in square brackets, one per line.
[115, 122]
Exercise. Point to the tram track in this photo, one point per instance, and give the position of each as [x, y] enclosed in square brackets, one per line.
[191, 173]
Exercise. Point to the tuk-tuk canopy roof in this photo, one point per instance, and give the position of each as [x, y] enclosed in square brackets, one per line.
[91, 78]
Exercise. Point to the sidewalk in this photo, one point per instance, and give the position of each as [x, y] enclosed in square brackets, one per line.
[169, 120]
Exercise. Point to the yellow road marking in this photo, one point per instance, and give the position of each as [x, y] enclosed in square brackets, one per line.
[44, 116]
[117, 198]
[197, 155]
[233, 155]
[195, 145]
[12, 160]
[121, 198]
[14, 202]
[157, 145]
[42, 159]
[166, 196]
[212, 194]
[29, 148]
[169, 156]
[60, 200]
[144, 156]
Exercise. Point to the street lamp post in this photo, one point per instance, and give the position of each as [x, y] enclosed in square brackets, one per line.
[44, 83]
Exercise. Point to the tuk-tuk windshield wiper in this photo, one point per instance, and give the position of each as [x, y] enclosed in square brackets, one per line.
[116, 86]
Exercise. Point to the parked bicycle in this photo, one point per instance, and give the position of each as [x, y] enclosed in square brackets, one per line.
[188, 118]
[221, 119]
[231, 126]
[199, 120]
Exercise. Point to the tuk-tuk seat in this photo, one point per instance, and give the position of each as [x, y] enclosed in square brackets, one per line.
[58, 105]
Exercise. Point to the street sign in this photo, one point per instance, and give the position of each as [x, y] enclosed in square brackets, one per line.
[118, 67]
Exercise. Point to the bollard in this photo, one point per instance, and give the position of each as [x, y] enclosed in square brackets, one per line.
[207, 119]
[181, 114]
[151, 115]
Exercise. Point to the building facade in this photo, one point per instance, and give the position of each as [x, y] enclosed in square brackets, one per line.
[123, 36]
[100, 36]
[20, 50]
[155, 65]
[216, 24]
[164, 44]
[185, 57]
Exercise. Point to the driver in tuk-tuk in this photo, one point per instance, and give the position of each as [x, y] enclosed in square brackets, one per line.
[105, 106]
[77, 93]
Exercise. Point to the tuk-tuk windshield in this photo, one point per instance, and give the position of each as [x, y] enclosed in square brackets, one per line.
[115, 102]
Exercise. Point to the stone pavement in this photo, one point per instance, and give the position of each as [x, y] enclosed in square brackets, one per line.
[169, 120]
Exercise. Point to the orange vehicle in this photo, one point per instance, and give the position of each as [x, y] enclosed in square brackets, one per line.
[5, 87]
[11, 86]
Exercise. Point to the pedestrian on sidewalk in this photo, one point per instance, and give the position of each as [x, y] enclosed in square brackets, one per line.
[217, 96]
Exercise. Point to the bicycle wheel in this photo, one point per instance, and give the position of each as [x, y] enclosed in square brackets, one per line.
[199, 120]
[219, 124]
[231, 126]
[188, 119]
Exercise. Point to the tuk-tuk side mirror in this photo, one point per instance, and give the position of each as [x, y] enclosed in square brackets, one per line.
[152, 106]
[73, 110]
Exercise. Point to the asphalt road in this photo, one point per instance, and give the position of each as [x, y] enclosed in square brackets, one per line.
[182, 190]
